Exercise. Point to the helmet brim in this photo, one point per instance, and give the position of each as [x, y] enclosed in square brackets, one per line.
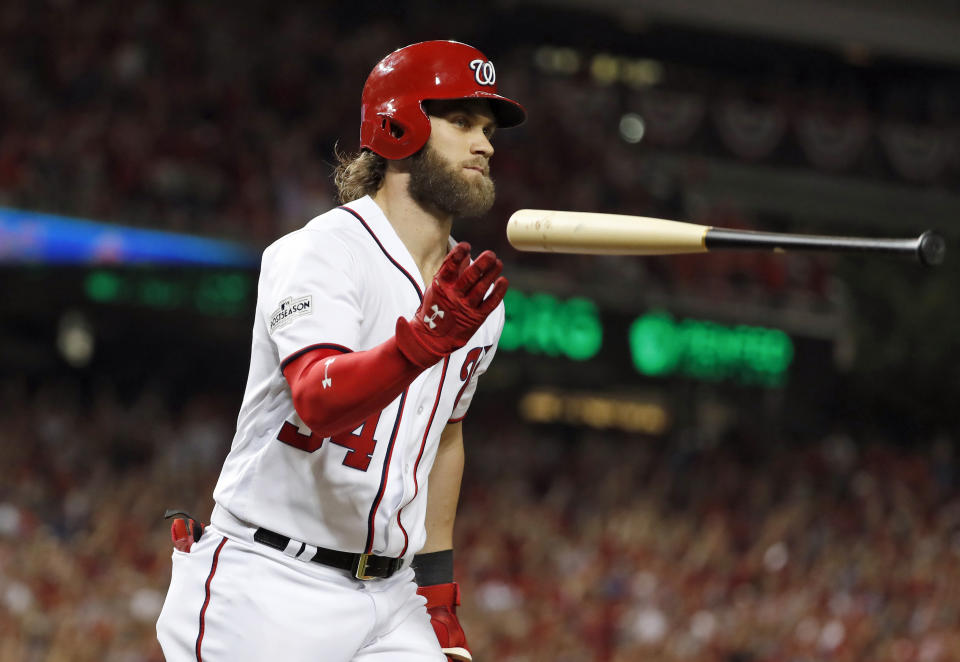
[506, 111]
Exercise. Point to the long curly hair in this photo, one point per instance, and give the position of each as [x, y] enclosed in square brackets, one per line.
[359, 174]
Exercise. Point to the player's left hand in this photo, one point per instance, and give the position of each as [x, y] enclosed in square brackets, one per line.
[442, 601]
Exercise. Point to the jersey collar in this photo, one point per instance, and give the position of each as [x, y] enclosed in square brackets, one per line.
[387, 236]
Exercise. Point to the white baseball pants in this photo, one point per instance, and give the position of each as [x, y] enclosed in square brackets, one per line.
[232, 600]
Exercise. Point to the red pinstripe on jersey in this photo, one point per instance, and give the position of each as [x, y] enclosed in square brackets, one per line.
[371, 520]
[389, 257]
[423, 443]
[371, 532]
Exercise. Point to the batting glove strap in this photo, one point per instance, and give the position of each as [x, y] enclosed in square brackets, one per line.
[420, 353]
[442, 601]
[441, 595]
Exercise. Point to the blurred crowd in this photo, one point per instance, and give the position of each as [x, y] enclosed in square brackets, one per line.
[571, 545]
[84, 553]
[591, 546]
[192, 117]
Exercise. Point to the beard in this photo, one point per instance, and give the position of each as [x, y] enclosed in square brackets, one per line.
[437, 183]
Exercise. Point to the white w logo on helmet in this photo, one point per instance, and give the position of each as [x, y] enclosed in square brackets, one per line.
[483, 71]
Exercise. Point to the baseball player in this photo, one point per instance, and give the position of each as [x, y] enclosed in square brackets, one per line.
[332, 534]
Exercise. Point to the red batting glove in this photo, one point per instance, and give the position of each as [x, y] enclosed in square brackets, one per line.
[442, 601]
[453, 306]
[184, 531]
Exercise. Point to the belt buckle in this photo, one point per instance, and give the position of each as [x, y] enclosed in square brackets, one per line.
[360, 568]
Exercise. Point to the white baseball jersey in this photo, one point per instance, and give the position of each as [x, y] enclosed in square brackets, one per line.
[341, 282]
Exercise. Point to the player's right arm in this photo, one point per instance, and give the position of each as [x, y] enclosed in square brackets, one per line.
[335, 391]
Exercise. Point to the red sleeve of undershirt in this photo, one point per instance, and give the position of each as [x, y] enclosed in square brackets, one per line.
[335, 392]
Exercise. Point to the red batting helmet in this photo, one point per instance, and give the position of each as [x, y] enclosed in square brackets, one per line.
[393, 122]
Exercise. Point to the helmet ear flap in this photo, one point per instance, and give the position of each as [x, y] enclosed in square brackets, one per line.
[397, 133]
[389, 127]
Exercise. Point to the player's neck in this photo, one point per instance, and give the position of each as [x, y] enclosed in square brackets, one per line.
[423, 231]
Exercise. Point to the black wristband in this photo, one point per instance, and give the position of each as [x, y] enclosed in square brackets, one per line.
[433, 568]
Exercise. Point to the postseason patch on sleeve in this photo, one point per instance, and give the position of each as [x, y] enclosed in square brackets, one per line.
[289, 310]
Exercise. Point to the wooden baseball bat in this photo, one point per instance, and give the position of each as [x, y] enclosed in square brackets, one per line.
[588, 233]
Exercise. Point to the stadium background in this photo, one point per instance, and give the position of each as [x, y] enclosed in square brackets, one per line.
[634, 490]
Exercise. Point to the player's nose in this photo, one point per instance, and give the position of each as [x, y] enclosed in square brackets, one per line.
[481, 145]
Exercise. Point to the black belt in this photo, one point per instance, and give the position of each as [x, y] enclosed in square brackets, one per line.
[361, 566]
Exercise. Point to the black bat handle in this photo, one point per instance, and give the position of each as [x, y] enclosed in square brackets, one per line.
[930, 248]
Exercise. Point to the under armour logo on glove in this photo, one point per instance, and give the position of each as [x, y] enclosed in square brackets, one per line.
[455, 305]
[436, 313]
